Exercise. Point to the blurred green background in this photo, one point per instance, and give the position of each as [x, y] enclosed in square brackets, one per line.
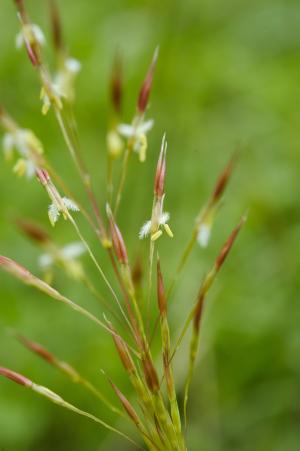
[228, 73]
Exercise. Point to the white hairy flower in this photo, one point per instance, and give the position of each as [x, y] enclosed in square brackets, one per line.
[146, 228]
[55, 209]
[28, 147]
[68, 253]
[55, 95]
[32, 33]
[65, 257]
[137, 132]
[64, 80]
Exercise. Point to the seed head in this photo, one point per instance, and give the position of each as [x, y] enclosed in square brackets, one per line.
[198, 311]
[117, 239]
[31, 35]
[36, 348]
[32, 53]
[229, 243]
[161, 170]
[14, 268]
[43, 176]
[125, 403]
[116, 85]
[123, 352]
[16, 377]
[21, 9]
[33, 231]
[146, 86]
[223, 179]
[137, 272]
[56, 26]
[150, 373]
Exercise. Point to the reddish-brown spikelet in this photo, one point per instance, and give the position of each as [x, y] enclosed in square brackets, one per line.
[31, 48]
[160, 174]
[116, 86]
[123, 352]
[117, 239]
[161, 296]
[198, 311]
[21, 9]
[137, 272]
[150, 373]
[43, 176]
[13, 267]
[32, 53]
[16, 377]
[147, 85]
[33, 231]
[56, 26]
[223, 179]
[36, 348]
[125, 403]
[229, 243]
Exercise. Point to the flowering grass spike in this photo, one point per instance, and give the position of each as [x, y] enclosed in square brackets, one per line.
[128, 304]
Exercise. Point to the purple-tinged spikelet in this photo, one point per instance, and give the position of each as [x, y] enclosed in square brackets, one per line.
[43, 176]
[117, 239]
[33, 231]
[223, 180]
[116, 85]
[14, 267]
[56, 26]
[159, 181]
[16, 377]
[147, 85]
[36, 348]
[229, 243]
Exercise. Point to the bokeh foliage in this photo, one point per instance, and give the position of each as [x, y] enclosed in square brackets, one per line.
[228, 73]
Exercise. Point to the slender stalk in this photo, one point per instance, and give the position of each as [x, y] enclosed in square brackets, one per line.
[123, 177]
[84, 175]
[149, 287]
[166, 349]
[58, 400]
[66, 369]
[93, 258]
[93, 290]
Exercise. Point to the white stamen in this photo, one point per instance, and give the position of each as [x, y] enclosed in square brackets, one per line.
[70, 204]
[53, 213]
[145, 230]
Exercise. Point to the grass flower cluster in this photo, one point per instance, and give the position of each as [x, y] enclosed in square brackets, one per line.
[155, 410]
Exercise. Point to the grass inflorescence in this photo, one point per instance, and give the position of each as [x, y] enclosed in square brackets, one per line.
[159, 417]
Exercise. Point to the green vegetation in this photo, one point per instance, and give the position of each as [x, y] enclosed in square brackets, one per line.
[227, 75]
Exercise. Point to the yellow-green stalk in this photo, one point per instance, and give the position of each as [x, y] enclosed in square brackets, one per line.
[136, 132]
[205, 218]
[166, 350]
[198, 308]
[28, 278]
[66, 369]
[56, 399]
[147, 393]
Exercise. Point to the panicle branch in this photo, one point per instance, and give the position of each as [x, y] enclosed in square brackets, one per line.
[197, 311]
[56, 399]
[147, 85]
[158, 418]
